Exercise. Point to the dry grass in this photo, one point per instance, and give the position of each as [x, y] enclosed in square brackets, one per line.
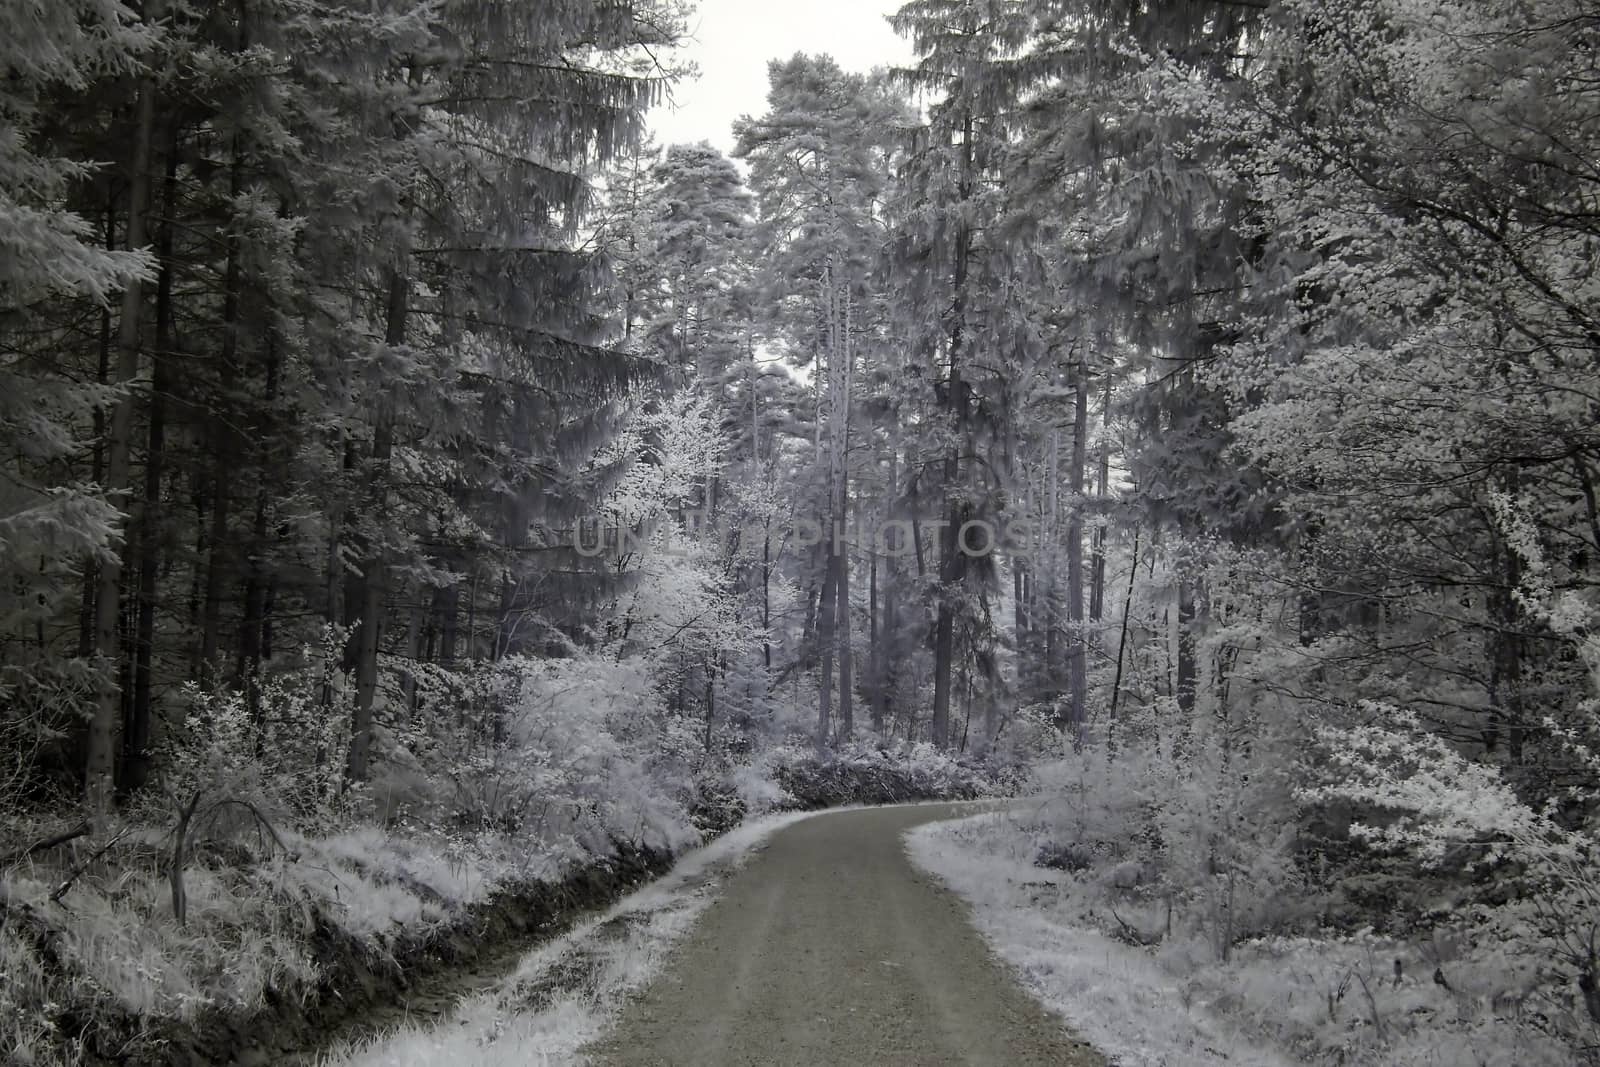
[1316, 999]
[109, 950]
[109, 957]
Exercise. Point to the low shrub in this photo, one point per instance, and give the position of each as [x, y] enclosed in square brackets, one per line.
[865, 773]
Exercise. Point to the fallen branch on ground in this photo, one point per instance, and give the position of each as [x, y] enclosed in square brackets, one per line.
[83, 829]
[61, 890]
[1133, 935]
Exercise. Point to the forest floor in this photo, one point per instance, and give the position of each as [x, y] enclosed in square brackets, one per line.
[1114, 993]
[1316, 998]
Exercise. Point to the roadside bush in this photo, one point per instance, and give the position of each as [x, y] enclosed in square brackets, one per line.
[273, 752]
[1198, 838]
[864, 773]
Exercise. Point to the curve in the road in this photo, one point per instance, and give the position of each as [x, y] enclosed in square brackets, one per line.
[827, 948]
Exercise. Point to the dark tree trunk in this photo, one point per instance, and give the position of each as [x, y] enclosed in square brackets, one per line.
[1122, 639]
[1506, 715]
[353, 589]
[220, 568]
[1077, 650]
[817, 570]
[874, 648]
[847, 713]
[201, 486]
[1186, 673]
[91, 575]
[253, 631]
[943, 657]
[417, 612]
[374, 578]
[1097, 586]
[268, 609]
[766, 598]
[1019, 621]
[136, 728]
[449, 599]
[100, 752]
[711, 701]
[887, 691]
[952, 564]
[826, 620]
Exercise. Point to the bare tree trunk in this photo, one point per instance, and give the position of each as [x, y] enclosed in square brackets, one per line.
[506, 629]
[952, 580]
[826, 618]
[890, 638]
[766, 597]
[201, 485]
[101, 750]
[1019, 622]
[888, 626]
[417, 611]
[224, 445]
[350, 597]
[840, 545]
[517, 514]
[1050, 647]
[711, 701]
[136, 727]
[1077, 655]
[874, 652]
[1309, 603]
[254, 640]
[1097, 588]
[91, 576]
[333, 573]
[966, 707]
[847, 715]
[943, 658]
[816, 572]
[219, 565]
[375, 566]
[448, 602]
[952, 569]
[1506, 696]
[269, 604]
[1122, 641]
[1184, 678]
[766, 526]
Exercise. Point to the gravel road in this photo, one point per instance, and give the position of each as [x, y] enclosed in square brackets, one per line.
[828, 947]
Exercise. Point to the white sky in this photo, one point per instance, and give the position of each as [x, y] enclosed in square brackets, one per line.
[734, 39]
